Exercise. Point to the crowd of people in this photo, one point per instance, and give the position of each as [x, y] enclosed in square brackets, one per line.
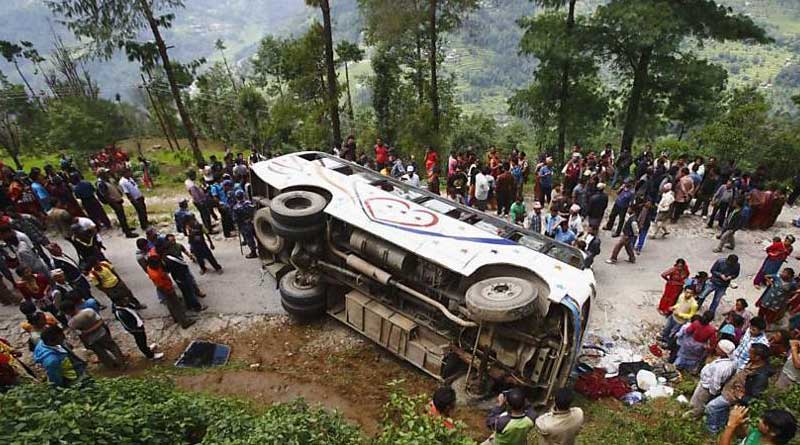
[56, 292]
[651, 192]
[732, 357]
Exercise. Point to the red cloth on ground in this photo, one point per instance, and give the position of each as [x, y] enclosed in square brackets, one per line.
[595, 385]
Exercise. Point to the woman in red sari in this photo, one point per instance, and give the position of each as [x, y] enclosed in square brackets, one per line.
[431, 159]
[761, 203]
[675, 276]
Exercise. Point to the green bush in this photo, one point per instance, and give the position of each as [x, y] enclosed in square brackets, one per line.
[775, 399]
[405, 422]
[107, 411]
[152, 412]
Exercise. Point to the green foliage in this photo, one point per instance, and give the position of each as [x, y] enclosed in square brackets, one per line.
[113, 24]
[151, 412]
[646, 40]
[654, 422]
[477, 131]
[81, 124]
[293, 422]
[107, 412]
[349, 52]
[788, 400]
[405, 422]
[745, 131]
[17, 114]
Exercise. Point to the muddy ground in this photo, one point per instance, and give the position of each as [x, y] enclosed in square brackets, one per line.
[275, 360]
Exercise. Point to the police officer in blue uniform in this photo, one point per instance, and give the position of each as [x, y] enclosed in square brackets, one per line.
[243, 212]
[182, 216]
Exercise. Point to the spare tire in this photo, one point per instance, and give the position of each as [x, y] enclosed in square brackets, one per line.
[301, 295]
[298, 233]
[298, 208]
[501, 299]
[262, 222]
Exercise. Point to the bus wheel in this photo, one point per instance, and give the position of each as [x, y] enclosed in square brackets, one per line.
[298, 233]
[265, 234]
[298, 208]
[501, 299]
[300, 297]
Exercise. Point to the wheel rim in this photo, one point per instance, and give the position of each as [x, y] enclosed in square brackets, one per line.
[502, 291]
[298, 203]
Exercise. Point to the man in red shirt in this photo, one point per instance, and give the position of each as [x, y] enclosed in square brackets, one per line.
[161, 279]
[442, 406]
[381, 155]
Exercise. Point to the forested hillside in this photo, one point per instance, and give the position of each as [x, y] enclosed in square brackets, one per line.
[483, 54]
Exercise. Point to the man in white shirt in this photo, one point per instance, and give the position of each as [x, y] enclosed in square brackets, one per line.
[561, 425]
[481, 190]
[663, 210]
[135, 196]
[411, 176]
[712, 379]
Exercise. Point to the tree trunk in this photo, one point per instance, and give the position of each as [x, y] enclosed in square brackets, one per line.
[15, 157]
[333, 95]
[27, 84]
[564, 94]
[11, 144]
[349, 97]
[160, 108]
[634, 101]
[418, 75]
[682, 132]
[158, 114]
[230, 73]
[173, 83]
[434, 81]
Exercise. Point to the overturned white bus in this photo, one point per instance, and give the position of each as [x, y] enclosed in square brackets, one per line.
[450, 289]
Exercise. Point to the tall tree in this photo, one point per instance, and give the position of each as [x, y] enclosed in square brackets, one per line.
[565, 92]
[68, 77]
[110, 24]
[443, 16]
[16, 111]
[220, 46]
[643, 39]
[332, 81]
[269, 65]
[565, 67]
[12, 53]
[400, 25]
[349, 52]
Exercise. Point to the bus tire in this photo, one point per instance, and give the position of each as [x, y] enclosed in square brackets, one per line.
[265, 234]
[300, 295]
[298, 208]
[303, 313]
[501, 299]
[297, 233]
